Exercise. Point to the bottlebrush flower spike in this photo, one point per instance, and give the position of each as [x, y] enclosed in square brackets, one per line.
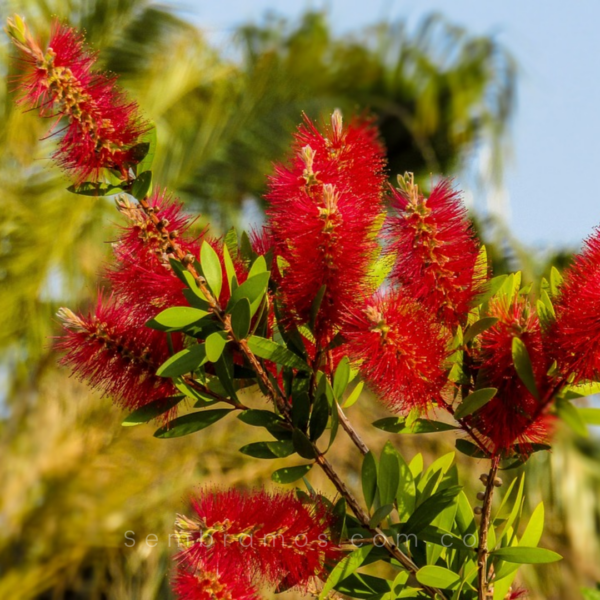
[102, 126]
[142, 277]
[436, 250]
[322, 214]
[514, 415]
[401, 349]
[115, 354]
[575, 334]
[203, 584]
[257, 535]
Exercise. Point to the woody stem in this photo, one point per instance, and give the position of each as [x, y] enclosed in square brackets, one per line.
[482, 551]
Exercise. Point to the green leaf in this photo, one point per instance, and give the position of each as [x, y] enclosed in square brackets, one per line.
[388, 478]
[315, 306]
[369, 479]
[469, 448]
[399, 425]
[269, 450]
[319, 416]
[341, 378]
[211, 268]
[591, 416]
[259, 418]
[524, 555]
[416, 465]
[290, 474]
[429, 509]
[176, 318]
[150, 138]
[191, 423]
[215, 344]
[258, 266]
[572, 417]
[254, 289]
[406, 494]
[533, 532]
[142, 184]
[479, 327]
[231, 242]
[303, 445]
[438, 577]
[354, 395]
[380, 514]
[523, 366]
[96, 189]
[583, 390]
[345, 568]
[151, 411]
[272, 351]
[556, 280]
[224, 371]
[137, 153]
[301, 410]
[473, 402]
[186, 361]
[229, 268]
[240, 318]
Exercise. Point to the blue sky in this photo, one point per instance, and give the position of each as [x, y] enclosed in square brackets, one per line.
[556, 134]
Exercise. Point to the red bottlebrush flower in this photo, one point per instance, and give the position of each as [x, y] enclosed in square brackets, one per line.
[401, 350]
[212, 585]
[436, 251]
[575, 335]
[115, 354]
[102, 126]
[322, 214]
[142, 277]
[514, 415]
[258, 535]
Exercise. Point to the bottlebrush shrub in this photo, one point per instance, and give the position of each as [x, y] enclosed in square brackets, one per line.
[331, 294]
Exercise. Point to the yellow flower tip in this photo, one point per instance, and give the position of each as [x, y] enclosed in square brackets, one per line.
[17, 30]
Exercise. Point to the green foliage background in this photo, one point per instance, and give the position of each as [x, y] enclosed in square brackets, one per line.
[74, 481]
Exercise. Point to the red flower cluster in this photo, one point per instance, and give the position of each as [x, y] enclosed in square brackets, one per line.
[250, 536]
[514, 415]
[401, 349]
[116, 354]
[211, 585]
[142, 277]
[102, 125]
[322, 213]
[576, 332]
[436, 251]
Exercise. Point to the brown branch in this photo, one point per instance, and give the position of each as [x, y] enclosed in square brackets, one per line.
[352, 433]
[176, 250]
[482, 551]
[364, 519]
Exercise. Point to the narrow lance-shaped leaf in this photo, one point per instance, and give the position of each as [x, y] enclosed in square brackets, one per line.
[240, 318]
[191, 423]
[142, 185]
[290, 474]
[523, 366]
[271, 350]
[152, 410]
[211, 268]
[186, 361]
[473, 402]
